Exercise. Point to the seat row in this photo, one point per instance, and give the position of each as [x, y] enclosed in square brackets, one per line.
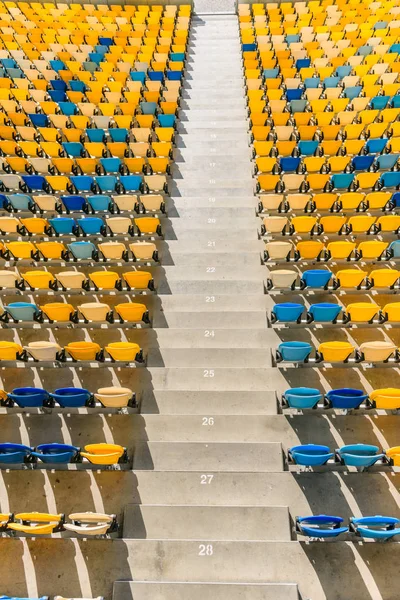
[338, 250]
[29, 397]
[142, 204]
[344, 398]
[35, 523]
[77, 281]
[332, 224]
[351, 455]
[328, 202]
[55, 453]
[331, 149]
[329, 312]
[375, 527]
[88, 184]
[62, 312]
[108, 226]
[338, 352]
[324, 279]
[43, 351]
[326, 182]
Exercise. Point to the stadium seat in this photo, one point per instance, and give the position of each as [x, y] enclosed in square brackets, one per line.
[345, 398]
[55, 453]
[90, 523]
[103, 454]
[36, 523]
[386, 398]
[320, 526]
[302, 397]
[310, 455]
[359, 455]
[87, 351]
[376, 527]
[293, 351]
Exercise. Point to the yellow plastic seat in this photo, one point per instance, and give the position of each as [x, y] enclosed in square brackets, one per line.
[39, 280]
[389, 223]
[372, 249]
[351, 278]
[304, 224]
[20, 250]
[58, 311]
[140, 280]
[391, 311]
[383, 278]
[387, 399]
[51, 250]
[35, 523]
[324, 202]
[114, 397]
[148, 225]
[377, 200]
[132, 312]
[103, 454]
[83, 350]
[309, 250]
[94, 311]
[72, 280]
[104, 280]
[123, 351]
[377, 351]
[332, 223]
[340, 250]
[35, 225]
[361, 223]
[362, 312]
[335, 351]
[9, 350]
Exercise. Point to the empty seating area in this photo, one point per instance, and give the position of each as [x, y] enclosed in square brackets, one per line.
[62, 454]
[35, 523]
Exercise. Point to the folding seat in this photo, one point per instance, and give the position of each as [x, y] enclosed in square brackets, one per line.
[58, 311]
[103, 454]
[304, 224]
[83, 183]
[386, 399]
[74, 203]
[287, 312]
[28, 397]
[359, 455]
[302, 398]
[309, 455]
[120, 225]
[375, 527]
[321, 526]
[114, 397]
[376, 351]
[92, 226]
[13, 454]
[335, 351]
[95, 311]
[324, 312]
[372, 249]
[390, 179]
[345, 398]
[125, 351]
[112, 250]
[91, 523]
[362, 224]
[43, 351]
[105, 280]
[309, 250]
[63, 226]
[20, 311]
[148, 226]
[86, 351]
[293, 351]
[362, 312]
[11, 182]
[383, 278]
[340, 250]
[71, 279]
[138, 280]
[82, 250]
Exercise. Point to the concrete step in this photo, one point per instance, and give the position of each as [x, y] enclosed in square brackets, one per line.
[219, 259]
[218, 357]
[211, 456]
[228, 241]
[175, 205]
[191, 320]
[206, 523]
[211, 188]
[124, 590]
[198, 338]
[233, 273]
[201, 286]
[180, 402]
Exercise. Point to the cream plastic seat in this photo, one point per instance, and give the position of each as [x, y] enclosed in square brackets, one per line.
[278, 250]
[377, 351]
[89, 523]
[72, 280]
[271, 201]
[119, 225]
[114, 397]
[112, 250]
[143, 250]
[126, 202]
[94, 311]
[43, 350]
[283, 278]
[275, 224]
[8, 279]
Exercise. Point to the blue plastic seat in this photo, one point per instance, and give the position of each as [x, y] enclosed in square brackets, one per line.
[292, 38]
[352, 92]
[308, 147]
[346, 398]
[22, 311]
[131, 183]
[111, 165]
[287, 312]
[342, 181]
[82, 250]
[324, 312]
[91, 225]
[395, 48]
[303, 63]
[271, 73]
[166, 120]
[77, 86]
[26, 397]
[55, 453]
[386, 162]
[321, 526]
[174, 75]
[156, 75]
[343, 71]
[396, 101]
[180, 56]
[13, 453]
[38, 120]
[331, 82]
[294, 351]
[96, 57]
[34, 182]
[395, 199]
[138, 76]
[100, 203]
[58, 84]
[310, 455]
[316, 278]
[249, 47]
[294, 94]
[376, 146]
[364, 50]
[148, 108]
[74, 149]
[362, 163]
[63, 225]
[379, 102]
[95, 135]
[107, 183]
[394, 248]
[74, 203]
[71, 397]
[119, 134]
[390, 179]
[8, 63]
[375, 527]
[289, 164]
[20, 201]
[298, 106]
[106, 41]
[16, 74]
[359, 455]
[302, 397]
[57, 95]
[82, 183]
[57, 65]
[312, 82]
